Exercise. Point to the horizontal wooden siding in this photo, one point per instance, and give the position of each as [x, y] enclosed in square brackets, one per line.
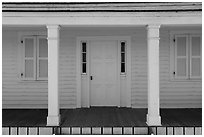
[33, 94]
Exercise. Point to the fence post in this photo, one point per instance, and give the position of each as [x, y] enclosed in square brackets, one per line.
[27, 130]
[37, 130]
[133, 130]
[183, 130]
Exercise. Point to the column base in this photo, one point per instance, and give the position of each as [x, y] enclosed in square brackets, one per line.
[153, 120]
[53, 120]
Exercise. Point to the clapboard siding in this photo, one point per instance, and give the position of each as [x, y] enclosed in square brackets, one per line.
[139, 69]
[67, 67]
[173, 94]
[33, 94]
[15, 92]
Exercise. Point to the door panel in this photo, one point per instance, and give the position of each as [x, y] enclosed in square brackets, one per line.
[103, 68]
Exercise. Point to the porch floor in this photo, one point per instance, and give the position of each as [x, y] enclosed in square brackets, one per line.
[101, 116]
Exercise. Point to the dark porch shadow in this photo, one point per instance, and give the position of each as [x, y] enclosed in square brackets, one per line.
[104, 116]
[101, 116]
[181, 117]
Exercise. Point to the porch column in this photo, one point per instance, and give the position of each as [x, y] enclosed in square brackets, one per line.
[153, 116]
[53, 118]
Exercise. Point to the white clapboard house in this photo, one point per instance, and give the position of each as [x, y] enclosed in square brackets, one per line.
[74, 55]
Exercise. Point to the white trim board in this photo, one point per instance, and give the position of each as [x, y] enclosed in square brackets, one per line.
[78, 66]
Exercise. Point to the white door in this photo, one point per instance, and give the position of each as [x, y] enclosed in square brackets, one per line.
[103, 69]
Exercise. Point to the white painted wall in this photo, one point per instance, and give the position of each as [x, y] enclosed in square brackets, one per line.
[16, 93]
[176, 93]
[34, 94]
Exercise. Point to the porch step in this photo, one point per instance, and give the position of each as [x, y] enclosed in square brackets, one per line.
[101, 130]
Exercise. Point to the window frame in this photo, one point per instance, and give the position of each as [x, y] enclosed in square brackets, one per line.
[21, 55]
[81, 56]
[120, 59]
[172, 42]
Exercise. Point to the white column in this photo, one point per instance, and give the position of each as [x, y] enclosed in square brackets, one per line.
[53, 118]
[153, 116]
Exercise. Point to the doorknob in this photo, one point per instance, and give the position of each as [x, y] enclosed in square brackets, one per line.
[91, 77]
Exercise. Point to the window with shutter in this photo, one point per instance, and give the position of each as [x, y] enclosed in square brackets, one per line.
[35, 58]
[187, 56]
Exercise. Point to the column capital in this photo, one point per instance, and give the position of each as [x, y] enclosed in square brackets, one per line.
[53, 26]
[153, 31]
[53, 32]
[153, 26]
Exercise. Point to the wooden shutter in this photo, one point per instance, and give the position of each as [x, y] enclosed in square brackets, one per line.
[29, 54]
[42, 58]
[181, 56]
[195, 56]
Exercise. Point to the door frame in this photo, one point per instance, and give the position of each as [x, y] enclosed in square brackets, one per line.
[78, 68]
